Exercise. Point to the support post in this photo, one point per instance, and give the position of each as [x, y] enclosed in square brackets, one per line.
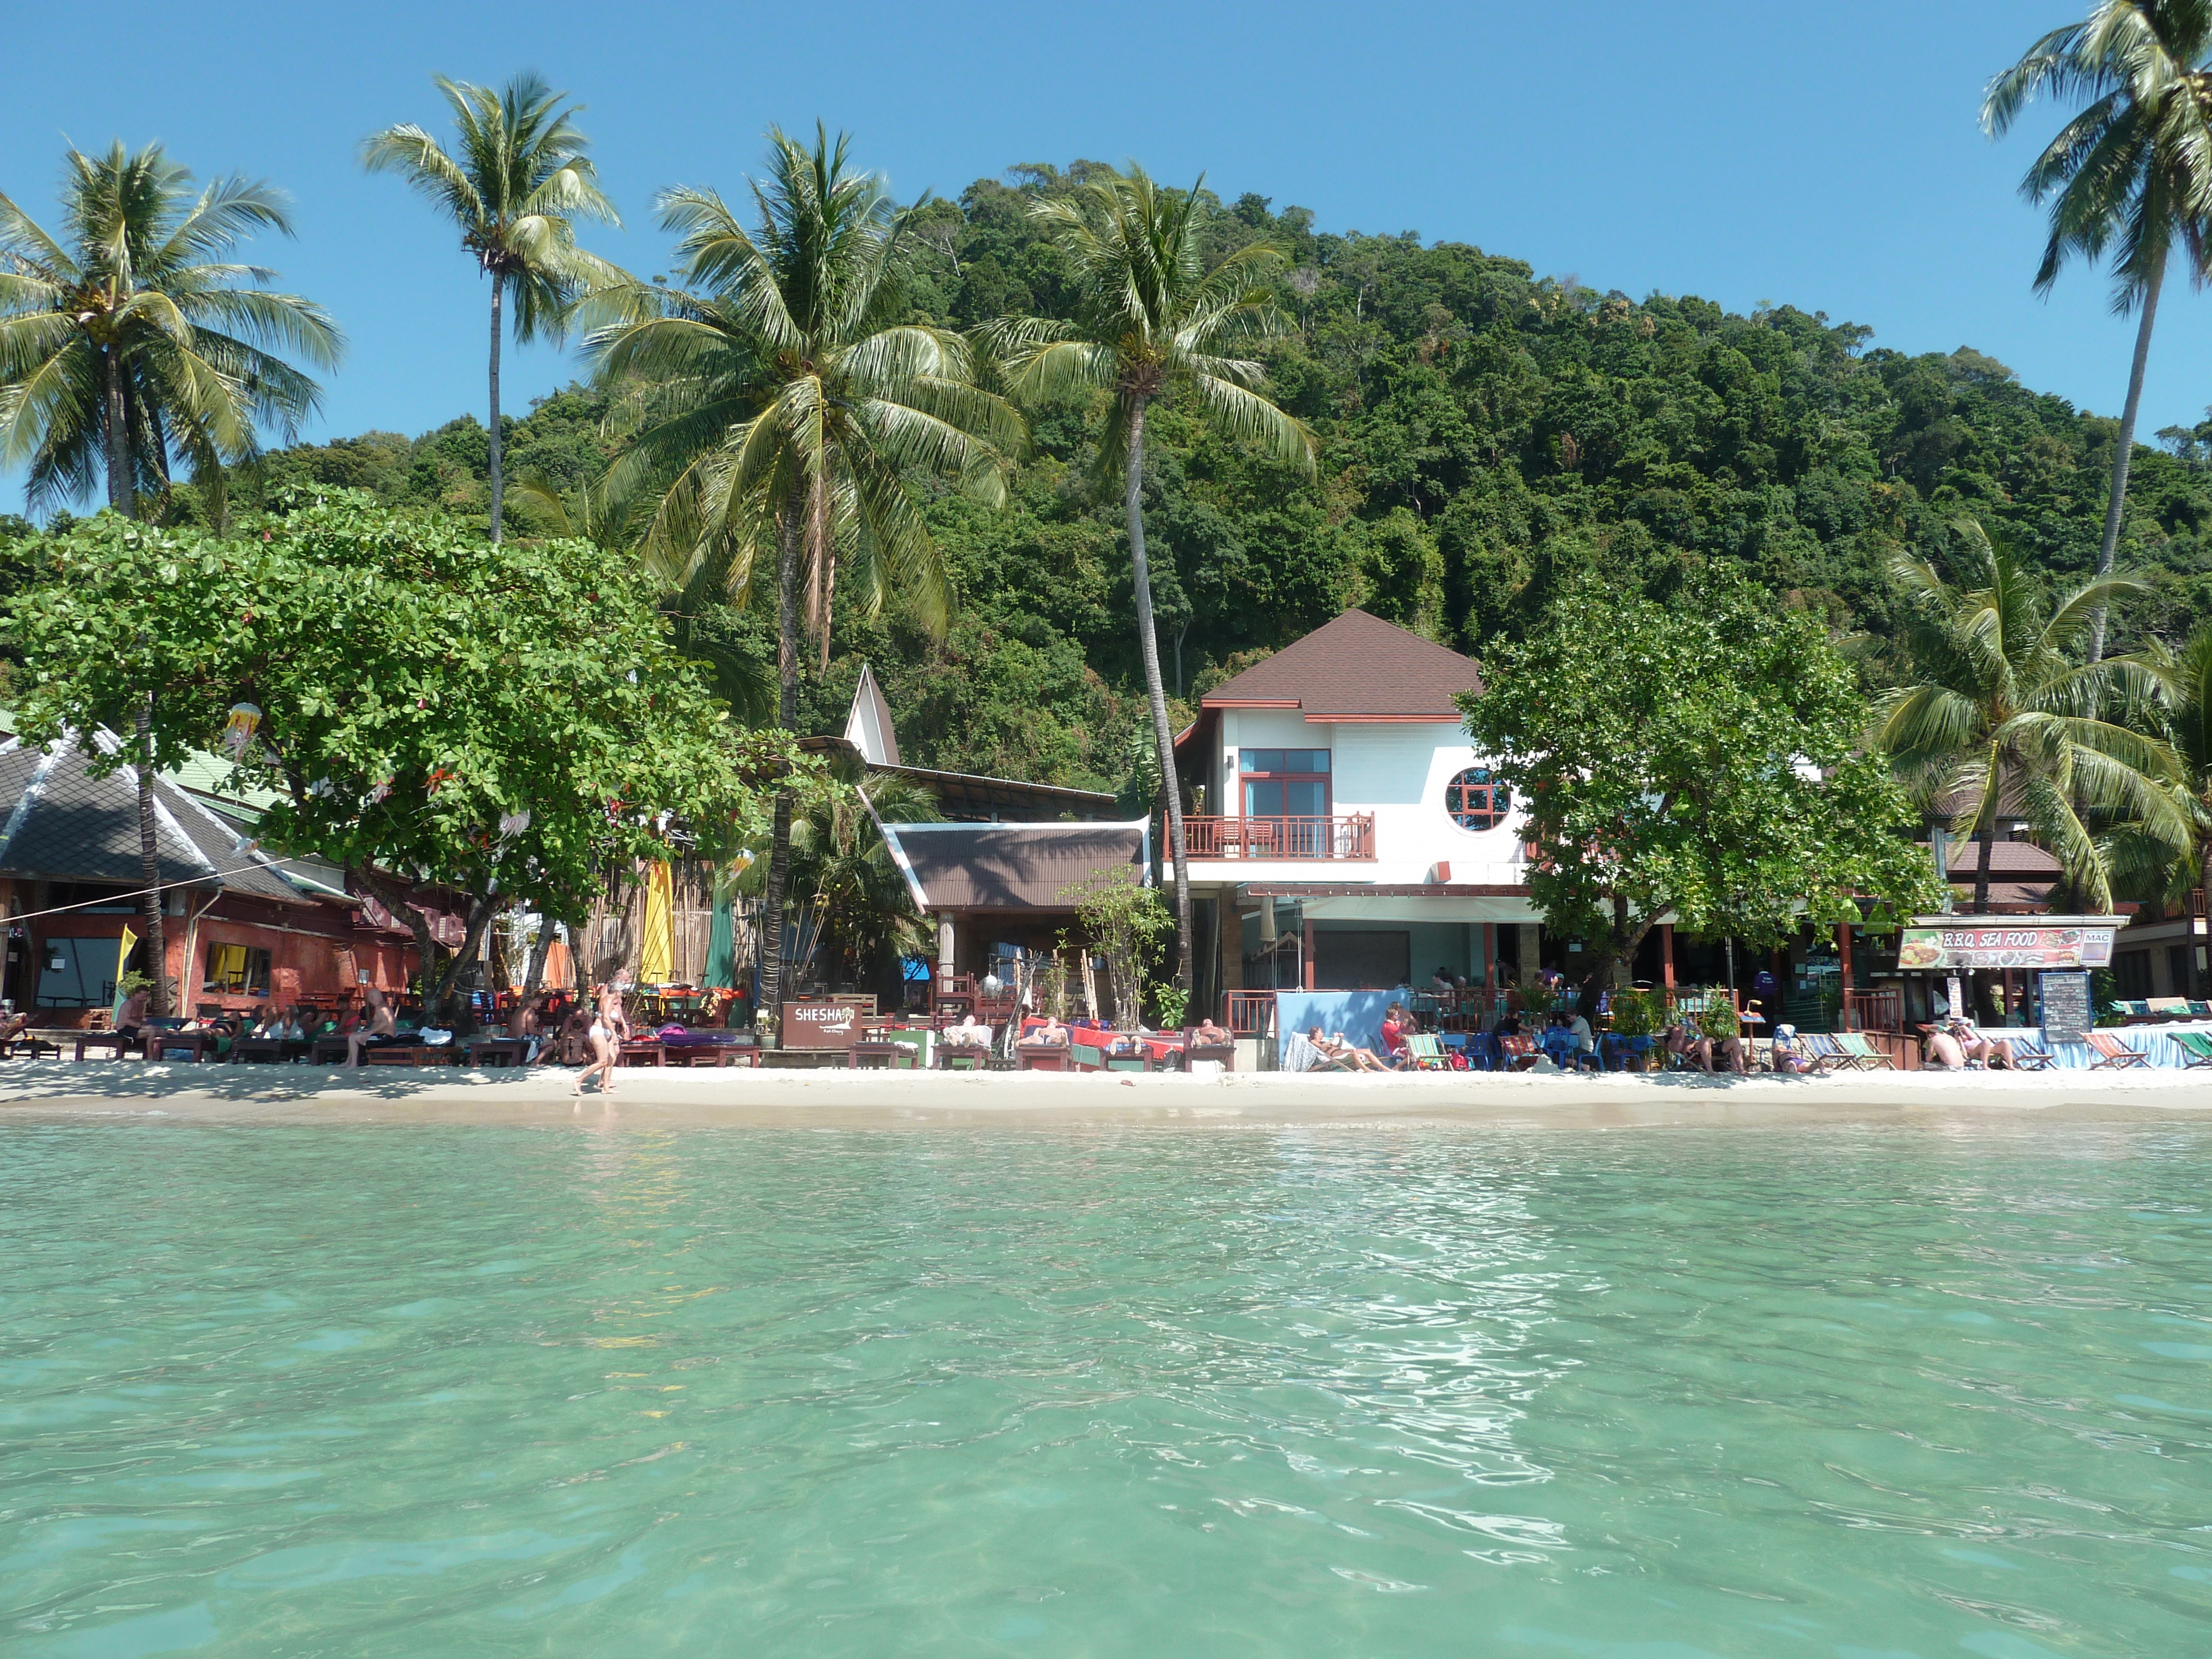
[1667, 954]
[1308, 955]
[1490, 956]
[945, 966]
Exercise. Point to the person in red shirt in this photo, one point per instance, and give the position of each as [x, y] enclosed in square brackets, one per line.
[1395, 1022]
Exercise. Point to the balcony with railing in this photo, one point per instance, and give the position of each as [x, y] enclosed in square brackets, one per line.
[1251, 840]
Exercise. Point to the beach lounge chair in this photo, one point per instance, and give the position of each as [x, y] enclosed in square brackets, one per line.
[1425, 1054]
[2113, 1055]
[1519, 1053]
[1825, 1054]
[2196, 1048]
[1862, 1054]
[2026, 1053]
[1299, 1055]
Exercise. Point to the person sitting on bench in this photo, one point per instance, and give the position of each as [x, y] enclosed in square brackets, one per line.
[378, 1029]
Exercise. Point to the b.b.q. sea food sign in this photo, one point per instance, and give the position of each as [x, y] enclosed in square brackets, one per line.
[2017, 942]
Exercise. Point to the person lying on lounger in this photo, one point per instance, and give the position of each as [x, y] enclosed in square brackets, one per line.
[1209, 1036]
[1052, 1033]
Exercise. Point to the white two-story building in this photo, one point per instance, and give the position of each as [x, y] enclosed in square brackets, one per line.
[1347, 835]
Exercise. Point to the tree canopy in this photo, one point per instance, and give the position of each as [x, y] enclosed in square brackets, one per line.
[506, 722]
[1703, 760]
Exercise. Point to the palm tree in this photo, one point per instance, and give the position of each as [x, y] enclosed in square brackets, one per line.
[2001, 719]
[1150, 316]
[132, 338]
[520, 181]
[2132, 173]
[2191, 716]
[775, 398]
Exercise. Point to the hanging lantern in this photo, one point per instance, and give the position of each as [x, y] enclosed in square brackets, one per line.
[512, 825]
[382, 789]
[238, 731]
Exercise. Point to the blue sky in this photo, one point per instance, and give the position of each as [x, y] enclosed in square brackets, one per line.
[1820, 155]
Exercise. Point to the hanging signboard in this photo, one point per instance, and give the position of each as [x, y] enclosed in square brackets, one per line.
[2016, 942]
[820, 1025]
[2067, 1015]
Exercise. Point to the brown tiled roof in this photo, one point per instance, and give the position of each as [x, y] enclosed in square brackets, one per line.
[2007, 858]
[1010, 867]
[1359, 666]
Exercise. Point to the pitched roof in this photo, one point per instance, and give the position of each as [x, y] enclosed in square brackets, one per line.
[1010, 866]
[64, 823]
[1359, 667]
[2007, 858]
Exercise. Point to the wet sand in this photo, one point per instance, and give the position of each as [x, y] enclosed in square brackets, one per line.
[653, 1098]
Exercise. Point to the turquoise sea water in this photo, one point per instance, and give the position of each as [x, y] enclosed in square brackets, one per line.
[440, 1391]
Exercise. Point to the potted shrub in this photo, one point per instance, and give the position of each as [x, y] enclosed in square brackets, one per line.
[1636, 1021]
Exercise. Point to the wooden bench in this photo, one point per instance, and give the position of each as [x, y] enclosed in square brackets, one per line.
[497, 1051]
[642, 1054]
[120, 1042]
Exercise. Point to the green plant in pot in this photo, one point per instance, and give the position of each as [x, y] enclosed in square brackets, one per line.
[1719, 1020]
[1636, 1017]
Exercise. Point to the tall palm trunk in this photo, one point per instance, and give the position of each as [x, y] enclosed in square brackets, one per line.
[2116, 508]
[1150, 648]
[498, 288]
[120, 495]
[149, 870]
[790, 527]
[124, 499]
[1988, 839]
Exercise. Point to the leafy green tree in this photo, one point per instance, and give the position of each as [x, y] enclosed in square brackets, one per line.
[1149, 321]
[853, 898]
[133, 338]
[1998, 719]
[2189, 682]
[777, 399]
[2132, 173]
[516, 188]
[1703, 760]
[431, 714]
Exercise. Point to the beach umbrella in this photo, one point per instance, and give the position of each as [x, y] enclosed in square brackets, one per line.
[721, 973]
[657, 949]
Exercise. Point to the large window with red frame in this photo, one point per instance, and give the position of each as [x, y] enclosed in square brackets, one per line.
[1283, 783]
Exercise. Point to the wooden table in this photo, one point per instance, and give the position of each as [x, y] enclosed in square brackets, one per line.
[49, 1041]
[961, 1056]
[198, 1045]
[410, 1054]
[327, 1051]
[892, 1056]
[253, 1050]
[642, 1054]
[801, 1058]
[497, 1051]
[121, 1042]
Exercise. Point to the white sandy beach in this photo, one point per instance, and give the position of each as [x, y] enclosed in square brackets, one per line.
[651, 1097]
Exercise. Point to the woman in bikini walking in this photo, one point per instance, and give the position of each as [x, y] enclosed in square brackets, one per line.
[609, 1030]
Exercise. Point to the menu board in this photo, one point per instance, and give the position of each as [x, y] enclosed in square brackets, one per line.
[2000, 945]
[820, 1025]
[2067, 1014]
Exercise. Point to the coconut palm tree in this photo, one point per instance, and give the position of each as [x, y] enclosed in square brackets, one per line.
[1149, 319]
[132, 339]
[516, 188]
[2001, 719]
[2131, 173]
[774, 398]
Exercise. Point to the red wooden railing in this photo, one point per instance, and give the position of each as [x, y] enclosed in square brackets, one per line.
[1249, 1013]
[1348, 838]
[1874, 1011]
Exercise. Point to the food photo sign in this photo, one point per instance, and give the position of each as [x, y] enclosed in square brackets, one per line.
[1941, 943]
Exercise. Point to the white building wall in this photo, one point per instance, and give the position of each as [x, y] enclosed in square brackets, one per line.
[1398, 772]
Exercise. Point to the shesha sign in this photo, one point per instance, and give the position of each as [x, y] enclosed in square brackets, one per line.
[1939, 943]
[820, 1024]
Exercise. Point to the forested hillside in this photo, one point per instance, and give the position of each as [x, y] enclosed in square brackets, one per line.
[1482, 431]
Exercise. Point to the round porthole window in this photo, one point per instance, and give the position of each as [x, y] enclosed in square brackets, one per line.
[1476, 800]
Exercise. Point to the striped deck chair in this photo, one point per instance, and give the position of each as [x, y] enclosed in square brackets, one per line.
[1519, 1053]
[2113, 1055]
[2026, 1053]
[2196, 1048]
[1862, 1054]
[1425, 1054]
[1822, 1050]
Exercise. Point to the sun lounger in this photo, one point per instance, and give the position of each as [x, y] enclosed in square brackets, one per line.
[1862, 1054]
[2114, 1055]
[2026, 1053]
[1425, 1054]
[2196, 1048]
[1826, 1054]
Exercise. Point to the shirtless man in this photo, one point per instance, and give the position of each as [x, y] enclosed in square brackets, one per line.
[379, 1028]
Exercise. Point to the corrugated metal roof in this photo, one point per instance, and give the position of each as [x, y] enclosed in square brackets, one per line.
[1011, 866]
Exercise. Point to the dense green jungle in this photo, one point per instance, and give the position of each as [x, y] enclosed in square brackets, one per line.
[1483, 433]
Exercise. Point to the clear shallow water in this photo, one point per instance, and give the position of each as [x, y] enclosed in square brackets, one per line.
[432, 1391]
